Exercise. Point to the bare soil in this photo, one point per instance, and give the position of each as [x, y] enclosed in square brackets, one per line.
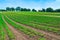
[18, 34]
[6, 37]
[48, 35]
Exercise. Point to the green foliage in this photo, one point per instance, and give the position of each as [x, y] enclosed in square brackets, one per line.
[57, 10]
[8, 9]
[25, 30]
[2, 32]
[4, 27]
[43, 10]
[39, 21]
[46, 21]
[49, 10]
[33, 10]
[18, 9]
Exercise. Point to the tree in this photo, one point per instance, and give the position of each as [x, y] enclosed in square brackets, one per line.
[2, 10]
[28, 9]
[18, 9]
[33, 10]
[24, 9]
[39, 10]
[43, 10]
[21, 9]
[49, 10]
[8, 9]
[12, 9]
[57, 10]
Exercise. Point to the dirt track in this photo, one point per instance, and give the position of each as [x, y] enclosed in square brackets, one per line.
[6, 37]
[48, 35]
[18, 35]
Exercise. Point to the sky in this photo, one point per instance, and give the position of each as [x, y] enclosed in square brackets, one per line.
[32, 4]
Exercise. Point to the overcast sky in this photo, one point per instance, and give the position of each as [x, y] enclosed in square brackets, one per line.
[37, 4]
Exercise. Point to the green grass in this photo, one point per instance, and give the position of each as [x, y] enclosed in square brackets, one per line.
[25, 30]
[50, 24]
[9, 32]
[47, 21]
[31, 17]
[4, 27]
[2, 32]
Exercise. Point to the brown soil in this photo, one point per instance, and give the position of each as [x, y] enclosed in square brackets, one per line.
[45, 24]
[6, 37]
[18, 34]
[48, 35]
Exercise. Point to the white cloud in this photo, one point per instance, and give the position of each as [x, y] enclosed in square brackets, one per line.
[57, 0]
[54, 5]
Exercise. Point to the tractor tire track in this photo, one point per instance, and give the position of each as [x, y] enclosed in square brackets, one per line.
[6, 37]
[18, 35]
[48, 35]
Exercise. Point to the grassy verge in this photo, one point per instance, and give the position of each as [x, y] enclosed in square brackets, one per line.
[5, 27]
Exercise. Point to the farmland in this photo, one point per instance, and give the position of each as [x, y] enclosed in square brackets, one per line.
[29, 26]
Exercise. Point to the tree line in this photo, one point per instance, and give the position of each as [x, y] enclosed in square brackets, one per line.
[34, 10]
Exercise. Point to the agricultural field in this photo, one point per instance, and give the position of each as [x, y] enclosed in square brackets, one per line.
[29, 25]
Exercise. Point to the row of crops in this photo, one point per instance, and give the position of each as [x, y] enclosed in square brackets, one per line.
[34, 20]
[5, 31]
[2, 32]
[50, 24]
[31, 33]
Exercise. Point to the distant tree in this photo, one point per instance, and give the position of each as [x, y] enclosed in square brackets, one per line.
[18, 9]
[33, 10]
[2, 10]
[28, 9]
[8, 9]
[24, 9]
[12, 9]
[39, 10]
[57, 10]
[43, 10]
[49, 10]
